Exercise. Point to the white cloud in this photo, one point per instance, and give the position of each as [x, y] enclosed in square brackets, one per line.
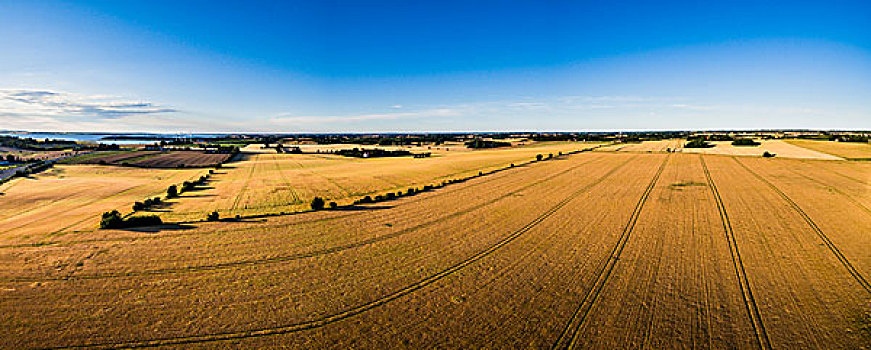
[36, 103]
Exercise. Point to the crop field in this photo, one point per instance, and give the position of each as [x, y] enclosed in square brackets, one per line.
[110, 157]
[847, 150]
[593, 250]
[68, 198]
[266, 182]
[176, 159]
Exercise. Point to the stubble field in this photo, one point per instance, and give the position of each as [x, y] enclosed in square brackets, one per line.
[593, 250]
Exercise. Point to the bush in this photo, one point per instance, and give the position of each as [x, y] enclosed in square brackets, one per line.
[391, 195]
[138, 206]
[333, 205]
[538, 157]
[698, 143]
[111, 219]
[147, 220]
[512, 165]
[745, 142]
[410, 191]
[171, 191]
[768, 154]
[366, 199]
[317, 203]
[213, 216]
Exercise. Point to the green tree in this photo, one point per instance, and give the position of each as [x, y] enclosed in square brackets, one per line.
[317, 203]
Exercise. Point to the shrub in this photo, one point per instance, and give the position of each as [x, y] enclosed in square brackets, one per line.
[366, 199]
[410, 191]
[213, 216]
[171, 191]
[379, 198]
[391, 195]
[317, 203]
[549, 155]
[333, 205]
[480, 173]
[538, 157]
[512, 165]
[111, 219]
[138, 206]
[147, 220]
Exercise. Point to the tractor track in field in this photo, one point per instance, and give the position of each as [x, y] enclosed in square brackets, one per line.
[296, 198]
[833, 189]
[813, 225]
[244, 186]
[569, 335]
[323, 321]
[316, 253]
[746, 292]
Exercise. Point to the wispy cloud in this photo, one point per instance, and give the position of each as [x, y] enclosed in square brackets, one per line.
[31, 103]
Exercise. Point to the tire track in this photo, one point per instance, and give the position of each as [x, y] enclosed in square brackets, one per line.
[568, 337]
[832, 188]
[245, 185]
[320, 252]
[746, 292]
[296, 199]
[323, 321]
[828, 242]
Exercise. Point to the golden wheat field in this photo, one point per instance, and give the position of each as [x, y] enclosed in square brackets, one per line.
[605, 250]
[267, 182]
[68, 198]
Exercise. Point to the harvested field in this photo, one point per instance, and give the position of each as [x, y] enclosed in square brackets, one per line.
[182, 159]
[594, 250]
[647, 146]
[780, 148]
[846, 150]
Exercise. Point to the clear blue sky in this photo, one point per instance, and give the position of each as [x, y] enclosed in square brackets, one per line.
[322, 66]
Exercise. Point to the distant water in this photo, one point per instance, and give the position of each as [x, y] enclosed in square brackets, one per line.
[104, 138]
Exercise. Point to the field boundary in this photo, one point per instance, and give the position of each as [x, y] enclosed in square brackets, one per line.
[570, 332]
[746, 292]
[323, 321]
[828, 242]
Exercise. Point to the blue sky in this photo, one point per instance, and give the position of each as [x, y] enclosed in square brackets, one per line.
[322, 66]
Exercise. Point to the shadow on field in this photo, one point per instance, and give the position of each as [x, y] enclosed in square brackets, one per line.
[196, 195]
[160, 228]
[361, 208]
